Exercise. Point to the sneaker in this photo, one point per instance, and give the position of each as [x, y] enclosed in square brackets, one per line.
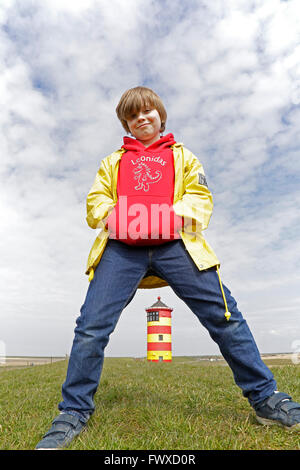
[279, 409]
[64, 428]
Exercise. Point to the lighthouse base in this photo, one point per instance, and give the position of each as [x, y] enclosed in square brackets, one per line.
[159, 356]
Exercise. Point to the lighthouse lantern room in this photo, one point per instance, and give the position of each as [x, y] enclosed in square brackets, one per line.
[159, 342]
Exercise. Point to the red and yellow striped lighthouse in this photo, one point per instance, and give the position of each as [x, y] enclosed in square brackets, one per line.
[159, 342]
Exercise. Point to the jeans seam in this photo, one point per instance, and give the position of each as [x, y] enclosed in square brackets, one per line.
[150, 257]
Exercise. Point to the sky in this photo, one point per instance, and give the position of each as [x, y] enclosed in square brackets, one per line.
[229, 75]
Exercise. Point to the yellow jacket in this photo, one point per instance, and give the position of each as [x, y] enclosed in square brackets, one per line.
[192, 200]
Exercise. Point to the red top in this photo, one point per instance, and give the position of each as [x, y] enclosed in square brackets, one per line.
[144, 212]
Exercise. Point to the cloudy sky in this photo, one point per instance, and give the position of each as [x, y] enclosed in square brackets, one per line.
[229, 74]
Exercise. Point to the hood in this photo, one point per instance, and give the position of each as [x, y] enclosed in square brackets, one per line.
[136, 146]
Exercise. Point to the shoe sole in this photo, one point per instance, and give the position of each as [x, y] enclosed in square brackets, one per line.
[44, 448]
[271, 422]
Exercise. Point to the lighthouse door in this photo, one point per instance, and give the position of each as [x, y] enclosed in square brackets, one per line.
[160, 358]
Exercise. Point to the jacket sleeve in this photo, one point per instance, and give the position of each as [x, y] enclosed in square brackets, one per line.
[196, 203]
[100, 201]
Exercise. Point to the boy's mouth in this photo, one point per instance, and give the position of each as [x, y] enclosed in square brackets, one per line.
[142, 125]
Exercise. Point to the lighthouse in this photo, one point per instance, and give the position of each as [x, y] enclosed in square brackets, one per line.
[159, 342]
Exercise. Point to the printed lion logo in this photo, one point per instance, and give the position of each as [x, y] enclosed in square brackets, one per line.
[143, 175]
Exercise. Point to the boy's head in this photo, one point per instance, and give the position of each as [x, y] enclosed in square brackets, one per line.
[134, 100]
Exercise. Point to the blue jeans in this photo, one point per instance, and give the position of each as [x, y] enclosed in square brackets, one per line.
[115, 282]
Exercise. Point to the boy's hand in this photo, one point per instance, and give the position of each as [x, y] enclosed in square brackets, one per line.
[110, 224]
[191, 225]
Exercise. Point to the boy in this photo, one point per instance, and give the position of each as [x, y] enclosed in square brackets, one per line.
[151, 201]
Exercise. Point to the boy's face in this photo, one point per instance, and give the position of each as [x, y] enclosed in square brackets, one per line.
[145, 125]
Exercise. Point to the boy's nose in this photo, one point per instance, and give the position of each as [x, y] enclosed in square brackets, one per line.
[141, 116]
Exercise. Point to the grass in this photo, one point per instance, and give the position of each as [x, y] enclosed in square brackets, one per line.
[187, 404]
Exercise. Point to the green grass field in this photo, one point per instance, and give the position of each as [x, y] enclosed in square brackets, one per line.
[186, 404]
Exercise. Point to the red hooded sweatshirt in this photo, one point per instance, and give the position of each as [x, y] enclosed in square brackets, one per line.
[144, 212]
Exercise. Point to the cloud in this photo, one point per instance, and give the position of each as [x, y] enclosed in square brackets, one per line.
[230, 77]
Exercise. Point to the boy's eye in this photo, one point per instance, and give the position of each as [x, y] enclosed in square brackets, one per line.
[135, 115]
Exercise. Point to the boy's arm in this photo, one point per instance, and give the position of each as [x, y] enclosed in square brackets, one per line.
[196, 203]
[100, 201]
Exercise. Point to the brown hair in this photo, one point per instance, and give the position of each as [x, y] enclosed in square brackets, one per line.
[134, 99]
